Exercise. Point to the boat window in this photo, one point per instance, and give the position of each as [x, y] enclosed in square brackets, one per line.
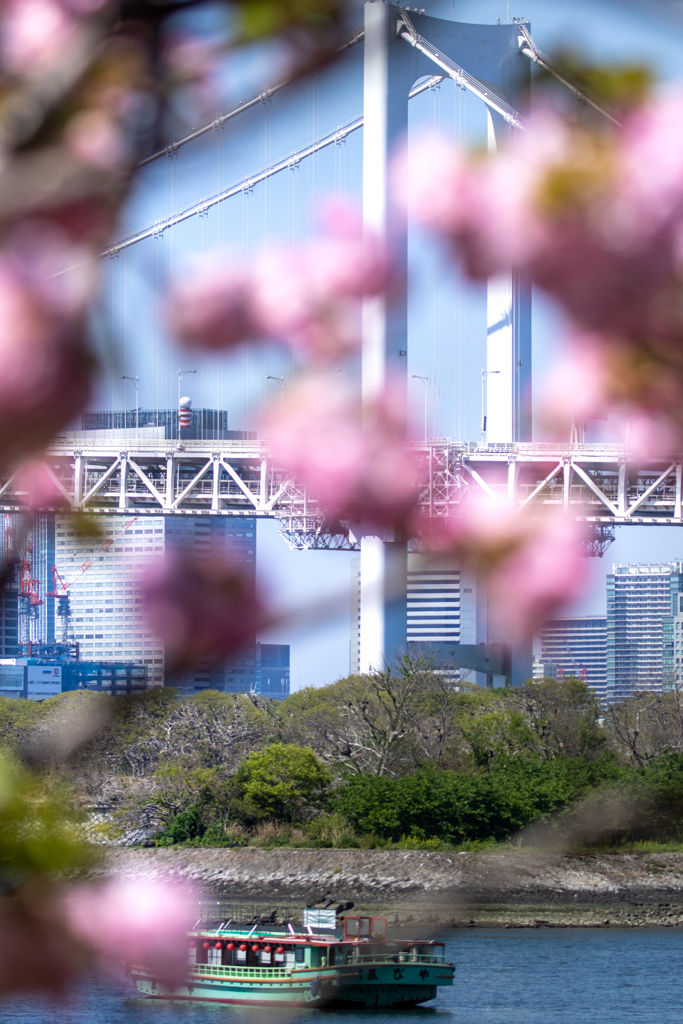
[299, 954]
[365, 927]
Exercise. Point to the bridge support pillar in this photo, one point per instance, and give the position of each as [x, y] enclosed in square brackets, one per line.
[491, 53]
[386, 84]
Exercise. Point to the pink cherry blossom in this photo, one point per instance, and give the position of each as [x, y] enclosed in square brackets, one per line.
[648, 433]
[532, 561]
[542, 577]
[351, 458]
[214, 309]
[306, 295]
[134, 920]
[429, 180]
[592, 218]
[576, 388]
[44, 367]
[96, 139]
[201, 610]
[35, 33]
[37, 487]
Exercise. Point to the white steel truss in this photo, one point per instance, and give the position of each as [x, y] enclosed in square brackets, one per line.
[595, 483]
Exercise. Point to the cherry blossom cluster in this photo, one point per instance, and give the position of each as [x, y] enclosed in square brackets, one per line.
[307, 295]
[532, 560]
[595, 218]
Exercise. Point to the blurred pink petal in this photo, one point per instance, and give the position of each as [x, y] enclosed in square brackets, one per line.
[307, 295]
[37, 487]
[648, 434]
[594, 219]
[44, 367]
[546, 573]
[430, 179]
[353, 459]
[135, 921]
[214, 309]
[532, 559]
[96, 139]
[201, 610]
[577, 387]
[34, 33]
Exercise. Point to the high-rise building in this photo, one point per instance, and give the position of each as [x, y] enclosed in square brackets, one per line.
[105, 574]
[272, 670]
[107, 600]
[577, 647]
[9, 622]
[445, 604]
[642, 601]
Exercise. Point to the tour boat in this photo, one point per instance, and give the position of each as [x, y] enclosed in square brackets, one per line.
[352, 966]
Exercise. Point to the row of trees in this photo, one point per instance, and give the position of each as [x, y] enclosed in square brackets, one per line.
[396, 754]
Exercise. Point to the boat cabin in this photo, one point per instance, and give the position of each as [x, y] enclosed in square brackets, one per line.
[359, 940]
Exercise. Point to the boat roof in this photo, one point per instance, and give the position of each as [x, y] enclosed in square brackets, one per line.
[314, 939]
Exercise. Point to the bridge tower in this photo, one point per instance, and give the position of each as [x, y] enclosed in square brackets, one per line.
[401, 47]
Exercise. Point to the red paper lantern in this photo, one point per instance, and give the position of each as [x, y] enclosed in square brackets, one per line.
[193, 945]
[230, 946]
[207, 945]
[254, 949]
[280, 949]
[219, 945]
[243, 948]
[266, 949]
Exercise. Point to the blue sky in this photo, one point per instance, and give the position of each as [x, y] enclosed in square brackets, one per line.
[446, 314]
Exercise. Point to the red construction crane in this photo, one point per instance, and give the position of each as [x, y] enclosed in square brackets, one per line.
[29, 600]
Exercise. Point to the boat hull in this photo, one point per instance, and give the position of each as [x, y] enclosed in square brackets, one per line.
[382, 987]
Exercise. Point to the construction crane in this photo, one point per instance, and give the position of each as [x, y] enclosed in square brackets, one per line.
[29, 600]
[60, 586]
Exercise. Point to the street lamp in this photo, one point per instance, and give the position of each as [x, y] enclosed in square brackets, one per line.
[281, 382]
[425, 381]
[136, 381]
[181, 374]
[484, 375]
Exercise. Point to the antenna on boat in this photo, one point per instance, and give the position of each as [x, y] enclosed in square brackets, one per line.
[253, 930]
[291, 930]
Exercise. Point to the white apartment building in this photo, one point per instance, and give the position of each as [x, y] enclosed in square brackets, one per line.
[106, 597]
[442, 605]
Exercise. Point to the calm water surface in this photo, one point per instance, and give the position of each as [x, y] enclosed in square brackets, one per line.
[573, 976]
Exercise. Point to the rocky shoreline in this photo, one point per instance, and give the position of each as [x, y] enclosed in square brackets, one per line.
[511, 889]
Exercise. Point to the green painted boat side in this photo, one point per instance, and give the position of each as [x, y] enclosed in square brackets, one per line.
[379, 985]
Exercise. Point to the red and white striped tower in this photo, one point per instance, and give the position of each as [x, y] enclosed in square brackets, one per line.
[185, 413]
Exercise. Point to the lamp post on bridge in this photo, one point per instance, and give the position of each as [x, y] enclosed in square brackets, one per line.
[281, 382]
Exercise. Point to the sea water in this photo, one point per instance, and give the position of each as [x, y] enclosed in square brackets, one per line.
[538, 976]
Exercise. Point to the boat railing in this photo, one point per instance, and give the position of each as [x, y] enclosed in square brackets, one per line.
[395, 958]
[208, 970]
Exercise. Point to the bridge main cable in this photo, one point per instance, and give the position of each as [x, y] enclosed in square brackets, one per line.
[222, 119]
[247, 183]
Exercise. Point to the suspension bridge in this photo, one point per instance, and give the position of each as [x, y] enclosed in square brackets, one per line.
[405, 53]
